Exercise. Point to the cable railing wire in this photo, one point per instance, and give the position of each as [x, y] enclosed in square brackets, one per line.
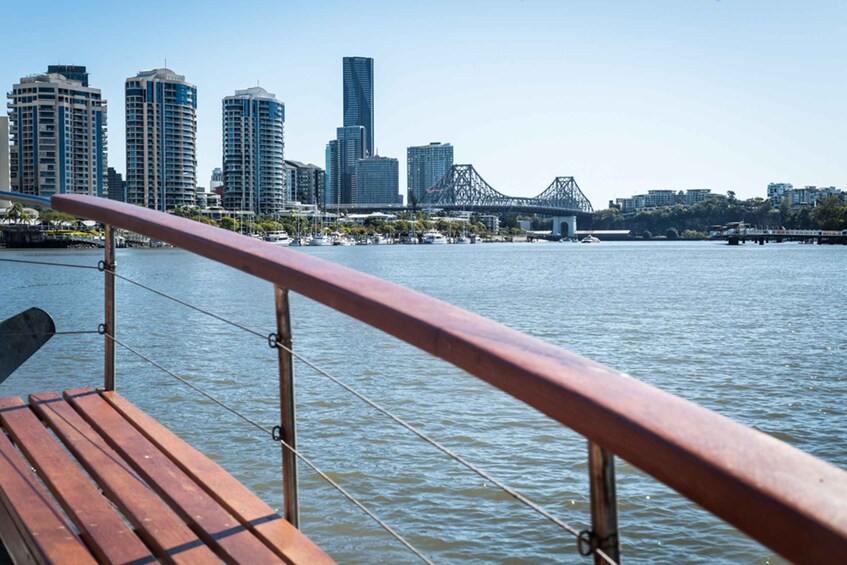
[269, 432]
[49, 263]
[447, 451]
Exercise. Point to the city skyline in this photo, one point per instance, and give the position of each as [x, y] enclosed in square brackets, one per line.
[715, 95]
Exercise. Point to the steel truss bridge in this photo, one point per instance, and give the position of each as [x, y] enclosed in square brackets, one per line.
[462, 188]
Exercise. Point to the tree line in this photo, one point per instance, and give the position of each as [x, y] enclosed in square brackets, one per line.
[697, 220]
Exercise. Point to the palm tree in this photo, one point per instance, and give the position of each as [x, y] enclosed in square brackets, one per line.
[17, 214]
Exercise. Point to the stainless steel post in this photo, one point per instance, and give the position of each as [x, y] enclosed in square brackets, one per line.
[109, 318]
[604, 502]
[286, 406]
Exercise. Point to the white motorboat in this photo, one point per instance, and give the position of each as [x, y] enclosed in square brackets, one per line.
[434, 237]
[278, 238]
[589, 239]
[320, 239]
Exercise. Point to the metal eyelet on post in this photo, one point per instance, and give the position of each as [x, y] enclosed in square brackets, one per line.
[586, 543]
[101, 329]
[276, 433]
[101, 266]
[273, 341]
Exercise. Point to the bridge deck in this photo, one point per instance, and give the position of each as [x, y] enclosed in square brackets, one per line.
[87, 477]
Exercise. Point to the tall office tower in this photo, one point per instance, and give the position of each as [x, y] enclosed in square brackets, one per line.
[253, 148]
[70, 72]
[425, 165]
[351, 147]
[58, 132]
[377, 180]
[333, 191]
[161, 137]
[4, 153]
[116, 184]
[359, 97]
[305, 183]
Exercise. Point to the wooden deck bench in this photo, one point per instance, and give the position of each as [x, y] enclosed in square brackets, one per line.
[112, 485]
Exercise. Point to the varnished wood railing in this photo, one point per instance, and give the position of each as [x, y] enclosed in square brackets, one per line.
[786, 499]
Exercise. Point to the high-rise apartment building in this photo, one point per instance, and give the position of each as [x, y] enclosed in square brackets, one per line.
[253, 152]
[58, 137]
[359, 97]
[161, 138]
[116, 184]
[425, 165]
[4, 153]
[377, 180]
[305, 183]
[216, 183]
[70, 72]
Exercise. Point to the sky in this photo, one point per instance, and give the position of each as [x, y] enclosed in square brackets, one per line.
[623, 96]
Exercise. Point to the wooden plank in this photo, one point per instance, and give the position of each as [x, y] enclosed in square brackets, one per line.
[43, 535]
[170, 539]
[215, 526]
[105, 533]
[708, 458]
[251, 511]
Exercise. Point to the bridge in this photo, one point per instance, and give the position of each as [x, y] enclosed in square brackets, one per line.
[463, 188]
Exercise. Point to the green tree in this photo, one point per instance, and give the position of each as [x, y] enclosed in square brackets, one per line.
[17, 214]
[830, 214]
[229, 223]
[647, 235]
[672, 233]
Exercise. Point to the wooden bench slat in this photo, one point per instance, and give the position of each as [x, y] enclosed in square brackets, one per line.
[211, 521]
[251, 511]
[163, 531]
[106, 534]
[42, 531]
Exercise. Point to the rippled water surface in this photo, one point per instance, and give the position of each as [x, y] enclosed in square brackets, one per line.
[756, 333]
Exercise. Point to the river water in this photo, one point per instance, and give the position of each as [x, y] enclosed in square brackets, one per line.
[756, 333]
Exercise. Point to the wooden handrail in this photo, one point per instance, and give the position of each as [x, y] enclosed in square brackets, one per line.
[785, 498]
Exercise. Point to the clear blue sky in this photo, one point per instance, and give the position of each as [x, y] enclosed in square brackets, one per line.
[624, 96]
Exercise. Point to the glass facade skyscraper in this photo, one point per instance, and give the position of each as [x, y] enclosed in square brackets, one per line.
[359, 97]
[350, 148]
[253, 152]
[377, 180]
[161, 138]
[425, 165]
[58, 137]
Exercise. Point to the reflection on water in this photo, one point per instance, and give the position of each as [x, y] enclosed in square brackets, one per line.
[755, 333]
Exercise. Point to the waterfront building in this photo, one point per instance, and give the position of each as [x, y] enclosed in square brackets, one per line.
[491, 223]
[305, 183]
[161, 137]
[253, 152]
[359, 98]
[777, 190]
[662, 198]
[58, 137]
[425, 165]
[70, 72]
[348, 149]
[4, 153]
[377, 180]
[116, 185]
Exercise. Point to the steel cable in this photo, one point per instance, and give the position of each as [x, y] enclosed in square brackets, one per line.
[299, 455]
[447, 451]
[49, 263]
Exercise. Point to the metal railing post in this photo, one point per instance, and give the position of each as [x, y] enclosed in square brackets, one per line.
[604, 503]
[109, 318]
[286, 406]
